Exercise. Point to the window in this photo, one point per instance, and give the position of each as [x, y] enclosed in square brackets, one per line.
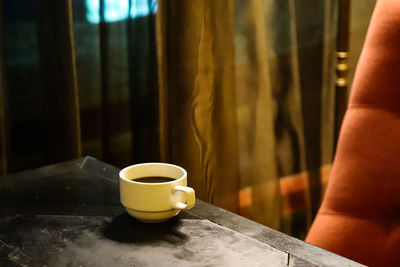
[117, 10]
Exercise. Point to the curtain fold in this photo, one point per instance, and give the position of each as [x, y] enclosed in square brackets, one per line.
[197, 96]
[328, 89]
[284, 72]
[59, 79]
[3, 140]
[310, 50]
[143, 86]
[104, 56]
[287, 93]
[255, 109]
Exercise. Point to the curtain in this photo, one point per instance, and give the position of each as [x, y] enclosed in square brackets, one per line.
[3, 144]
[39, 111]
[117, 79]
[77, 81]
[240, 93]
[278, 124]
[197, 96]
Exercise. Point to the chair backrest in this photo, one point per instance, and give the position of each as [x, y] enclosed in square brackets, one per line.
[360, 214]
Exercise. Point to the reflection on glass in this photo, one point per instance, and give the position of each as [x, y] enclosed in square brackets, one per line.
[117, 10]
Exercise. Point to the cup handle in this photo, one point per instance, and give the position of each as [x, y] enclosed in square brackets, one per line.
[190, 197]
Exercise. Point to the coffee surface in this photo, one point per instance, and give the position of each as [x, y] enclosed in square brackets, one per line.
[154, 179]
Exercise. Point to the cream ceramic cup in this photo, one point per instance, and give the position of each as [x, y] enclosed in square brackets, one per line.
[155, 202]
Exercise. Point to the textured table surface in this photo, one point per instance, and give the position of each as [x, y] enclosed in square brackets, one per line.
[68, 214]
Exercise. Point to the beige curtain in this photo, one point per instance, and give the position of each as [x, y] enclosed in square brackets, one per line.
[246, 102]
[198, 96]
[256, 111]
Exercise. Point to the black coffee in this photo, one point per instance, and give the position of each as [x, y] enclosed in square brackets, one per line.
[154, 179]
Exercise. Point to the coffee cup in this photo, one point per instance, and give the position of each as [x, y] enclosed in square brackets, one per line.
[155, 192]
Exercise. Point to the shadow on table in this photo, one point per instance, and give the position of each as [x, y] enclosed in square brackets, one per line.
[126, 229]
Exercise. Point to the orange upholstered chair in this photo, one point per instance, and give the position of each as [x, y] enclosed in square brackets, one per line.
[360, 215]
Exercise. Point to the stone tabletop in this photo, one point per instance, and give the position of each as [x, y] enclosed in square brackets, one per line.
[69, 214]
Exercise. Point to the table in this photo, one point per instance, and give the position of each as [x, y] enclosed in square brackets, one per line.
[69, 214]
